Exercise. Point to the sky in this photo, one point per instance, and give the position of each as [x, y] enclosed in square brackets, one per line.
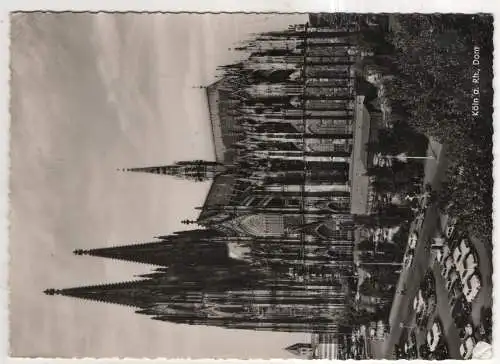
[92, 93]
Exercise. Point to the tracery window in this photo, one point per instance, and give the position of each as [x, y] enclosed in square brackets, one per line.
[329, 126]
[263, 224]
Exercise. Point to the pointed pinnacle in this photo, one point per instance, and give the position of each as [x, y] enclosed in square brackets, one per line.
[51, 291]
[80, 252]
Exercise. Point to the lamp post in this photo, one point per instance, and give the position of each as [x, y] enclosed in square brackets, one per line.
[402, 157]
[385, 160]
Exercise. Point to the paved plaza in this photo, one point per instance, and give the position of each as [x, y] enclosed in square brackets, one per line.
[402, 315]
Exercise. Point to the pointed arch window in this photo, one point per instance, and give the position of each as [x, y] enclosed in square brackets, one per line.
[329, 126]
[341, 204]
[263, 224]
[326, 145]
[329, 231]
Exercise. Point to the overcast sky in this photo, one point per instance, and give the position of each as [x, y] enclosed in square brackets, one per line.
[90, 94]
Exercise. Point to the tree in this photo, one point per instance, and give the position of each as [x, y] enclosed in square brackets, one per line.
[369, 287]
[386, 274]
[392, 251]
[426, 48]
[401, 236]
[395, 212]
[366, 245]
[355, 317]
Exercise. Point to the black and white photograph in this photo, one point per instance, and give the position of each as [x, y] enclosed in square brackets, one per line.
[251, 185]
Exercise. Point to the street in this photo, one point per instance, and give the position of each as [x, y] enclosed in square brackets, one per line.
[410, 278]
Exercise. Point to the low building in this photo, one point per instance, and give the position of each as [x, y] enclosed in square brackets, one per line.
[321, 346]
[301, 350]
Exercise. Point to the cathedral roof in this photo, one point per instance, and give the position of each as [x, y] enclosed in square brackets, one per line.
[222, 123]
[219, 194]
[224, 136]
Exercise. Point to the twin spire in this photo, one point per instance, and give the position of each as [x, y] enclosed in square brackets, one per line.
[184, 251]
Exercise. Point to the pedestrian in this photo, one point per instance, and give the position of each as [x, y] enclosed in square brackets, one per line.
[403, 291]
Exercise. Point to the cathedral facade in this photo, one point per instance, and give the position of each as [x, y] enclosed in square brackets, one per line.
[273, 248]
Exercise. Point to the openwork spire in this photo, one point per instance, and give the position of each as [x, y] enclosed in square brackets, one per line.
[197, 170]
[133, 293]
[182, 249]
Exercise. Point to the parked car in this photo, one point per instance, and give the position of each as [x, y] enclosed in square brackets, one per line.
[442, 254]
[419, 220]
[423, 307]
[461, 252]
[419, 302]
[412, 240]
[428, 284]
[424, 352]
[425, 201]
[408, 259]
[438, 242]
[451, 279]
[472, 287]
[399, 352]
[465, 243]
[449, 265]
[423, 317]
[410, 348]
[467, 268]
[461, 311]
[467, 331]
[450, 227]
[434, 336]
[455, 292]
[431, 304]
[467, 347]
[441, 352]
[486, 325]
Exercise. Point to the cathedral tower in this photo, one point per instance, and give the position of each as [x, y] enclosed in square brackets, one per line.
[197, 170]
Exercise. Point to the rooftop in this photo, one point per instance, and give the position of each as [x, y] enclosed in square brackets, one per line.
[223, 132]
